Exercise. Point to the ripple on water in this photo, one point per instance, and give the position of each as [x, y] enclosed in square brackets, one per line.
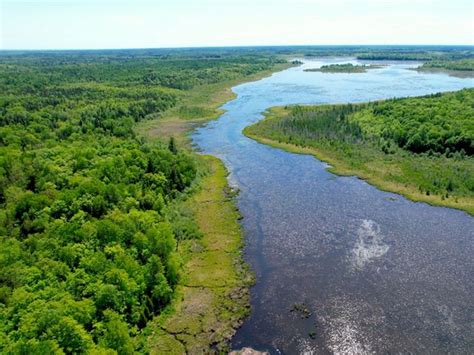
[378, 274]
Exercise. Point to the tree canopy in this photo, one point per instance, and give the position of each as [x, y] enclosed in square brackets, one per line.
[87, 244]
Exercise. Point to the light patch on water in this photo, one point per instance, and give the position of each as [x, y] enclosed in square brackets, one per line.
[344, 333]
[306, 348]
[343, 338]
[369, 245]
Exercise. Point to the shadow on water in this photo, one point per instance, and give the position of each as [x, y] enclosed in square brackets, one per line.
[341, 266]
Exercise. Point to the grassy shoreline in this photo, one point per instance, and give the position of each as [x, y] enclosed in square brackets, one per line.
[343, 167]
[204, 104]
[212, 297]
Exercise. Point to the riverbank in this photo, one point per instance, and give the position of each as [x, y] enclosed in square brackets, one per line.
[212, 297]
[463, 68]
[384, 174]
[196, 108]
[456, 73]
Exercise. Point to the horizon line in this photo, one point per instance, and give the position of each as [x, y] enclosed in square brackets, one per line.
[229, 46]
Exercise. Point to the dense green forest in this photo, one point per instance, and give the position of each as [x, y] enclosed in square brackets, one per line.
[428, 54]
[88, 230]
[425, 143]
[460, 65]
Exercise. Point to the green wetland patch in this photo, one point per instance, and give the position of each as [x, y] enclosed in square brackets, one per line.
[463, 68]
[344, 68]
[421, 147]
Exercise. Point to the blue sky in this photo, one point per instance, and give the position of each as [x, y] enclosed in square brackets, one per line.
[42, 24]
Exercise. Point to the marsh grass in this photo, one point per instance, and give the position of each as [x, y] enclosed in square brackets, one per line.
[432, 177]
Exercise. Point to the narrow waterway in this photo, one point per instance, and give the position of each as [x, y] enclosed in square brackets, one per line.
[341, 266]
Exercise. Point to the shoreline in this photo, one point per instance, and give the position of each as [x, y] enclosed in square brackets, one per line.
[342, 168]
[210, 98]
[212, 297]
[463, 74]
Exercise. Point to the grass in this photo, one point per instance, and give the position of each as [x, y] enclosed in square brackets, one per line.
[196, 107]
[392, 173]
[212, 296]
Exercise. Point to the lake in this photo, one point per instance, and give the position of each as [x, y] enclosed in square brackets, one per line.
[342, 267]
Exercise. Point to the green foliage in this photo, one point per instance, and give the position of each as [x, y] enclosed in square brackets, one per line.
[426, 53]
[88, 227]
[429, 139]
[172, 146]
[192, 112]
[439, 123]
[385, 52]
[462, 65]
[343, 68]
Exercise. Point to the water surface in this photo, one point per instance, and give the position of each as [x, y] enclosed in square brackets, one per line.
[368, 271]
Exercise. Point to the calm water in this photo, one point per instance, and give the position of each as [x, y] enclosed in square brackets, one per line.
[374, 272]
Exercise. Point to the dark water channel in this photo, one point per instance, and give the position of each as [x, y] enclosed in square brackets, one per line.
[368, 271]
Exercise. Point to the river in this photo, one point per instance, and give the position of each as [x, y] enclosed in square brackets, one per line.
[342, 267]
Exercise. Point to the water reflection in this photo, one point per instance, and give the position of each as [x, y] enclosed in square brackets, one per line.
[376, 272]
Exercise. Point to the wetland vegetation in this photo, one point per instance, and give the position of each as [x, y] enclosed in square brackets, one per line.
[422, 147]
[461, 68]
[344, 68]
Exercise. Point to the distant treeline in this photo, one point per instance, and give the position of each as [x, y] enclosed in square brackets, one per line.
[459, 65]
[417, 53]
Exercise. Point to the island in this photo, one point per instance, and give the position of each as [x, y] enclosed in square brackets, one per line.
[344, 68]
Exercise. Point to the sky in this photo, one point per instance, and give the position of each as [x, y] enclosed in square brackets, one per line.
[95, 24]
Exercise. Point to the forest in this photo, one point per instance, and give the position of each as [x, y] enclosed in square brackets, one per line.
[429, 53]
[424, 143]
[458, 65]
[343, 68]
[88, 226]
[384, 52]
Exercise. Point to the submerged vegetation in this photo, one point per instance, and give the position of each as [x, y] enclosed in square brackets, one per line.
[90, 230]
[422, 147]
